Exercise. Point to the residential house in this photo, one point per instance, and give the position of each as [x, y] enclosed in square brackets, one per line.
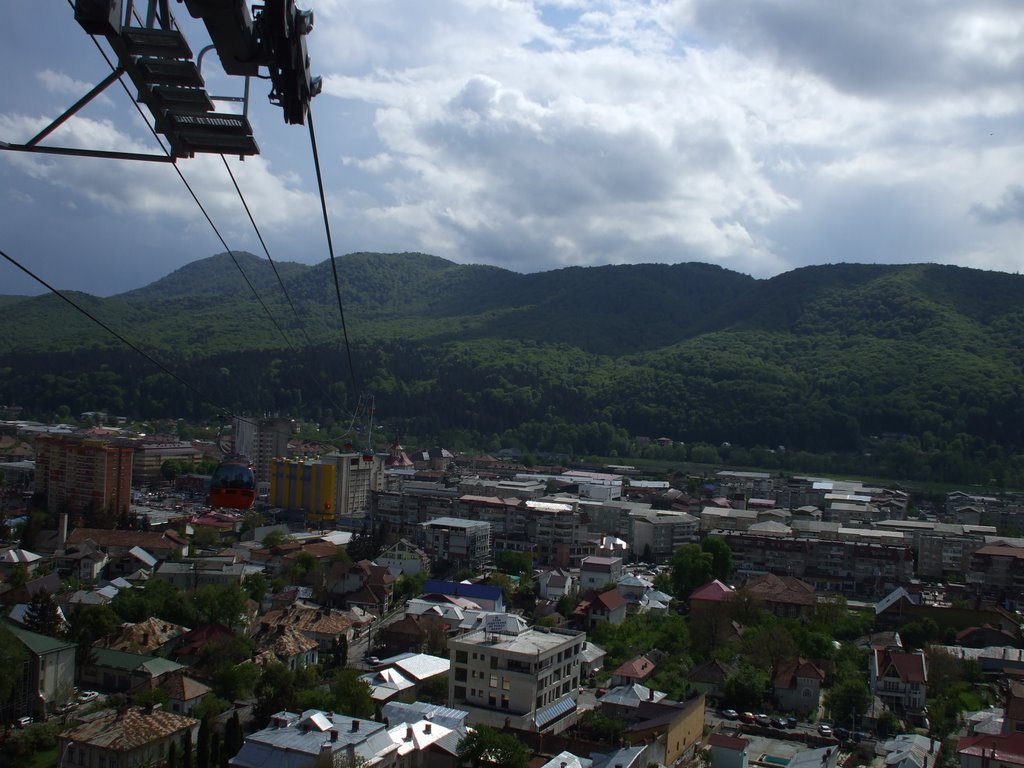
[162, 545]
[47, 679]
[710, 597]
[591, 660]
[120, 671]
[288, 645]
[604, 608]
[991, 751]
[797, 685]
[192, 645]
[635, 671]
[148, 637]
[315, 738]
[408, 633]
[785, 596]
[84, 561]
[364, 584]
[183, 692]
[598, 572]
[899, 678]
[119, 738]
[728, 751]
[710, 676]
[486, 596]
[554, 584]
[323, 625]
[404, 557]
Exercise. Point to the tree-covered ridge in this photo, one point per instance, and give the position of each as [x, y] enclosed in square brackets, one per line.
[823, 359]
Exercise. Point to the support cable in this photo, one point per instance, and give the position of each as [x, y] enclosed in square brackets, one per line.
[330, 247]
[190, 387]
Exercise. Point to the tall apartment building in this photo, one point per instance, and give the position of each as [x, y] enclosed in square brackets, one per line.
[307, 485]
[464, 543]
[147, 464]
[510, 673]
[263, 441]
[559, 531]
[82, 472]
[359, 475]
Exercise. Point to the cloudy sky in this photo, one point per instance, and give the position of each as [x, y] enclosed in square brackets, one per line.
[761, 135]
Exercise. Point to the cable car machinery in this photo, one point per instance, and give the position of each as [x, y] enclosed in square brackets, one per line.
[153, 52]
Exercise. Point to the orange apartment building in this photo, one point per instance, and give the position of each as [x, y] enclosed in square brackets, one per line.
[79, 472]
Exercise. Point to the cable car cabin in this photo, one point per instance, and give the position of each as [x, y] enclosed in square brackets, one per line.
[233, 485]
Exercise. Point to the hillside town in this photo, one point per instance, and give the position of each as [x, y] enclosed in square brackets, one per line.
[404, 608]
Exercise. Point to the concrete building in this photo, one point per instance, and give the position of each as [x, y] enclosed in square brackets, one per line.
[510, 674]
[597, 572]
[125, 737]
[149, 458]
[358, 476]
[81, 473]
[48, 676]
[464, 543]
[309, 486]
[314, 739]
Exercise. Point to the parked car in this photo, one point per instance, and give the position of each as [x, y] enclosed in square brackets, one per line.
[762, 719]
[791, 722]
[25, 721]
[730, 714]
[747, 717]
[858, 736]
[825, 729]
[841, 733]
[779, 722]
[86, 696]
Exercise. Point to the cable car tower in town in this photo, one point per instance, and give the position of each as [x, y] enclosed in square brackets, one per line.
[153, 52]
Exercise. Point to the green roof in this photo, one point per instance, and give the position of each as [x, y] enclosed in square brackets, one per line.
[105, 657]
[39, 644]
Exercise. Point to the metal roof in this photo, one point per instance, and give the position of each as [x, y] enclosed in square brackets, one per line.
[552, 712]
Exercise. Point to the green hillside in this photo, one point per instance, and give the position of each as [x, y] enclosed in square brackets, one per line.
[921, 362]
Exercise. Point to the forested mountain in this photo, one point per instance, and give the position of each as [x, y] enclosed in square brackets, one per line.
[918, 365]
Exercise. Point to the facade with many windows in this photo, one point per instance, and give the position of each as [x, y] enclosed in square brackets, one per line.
[508, 673]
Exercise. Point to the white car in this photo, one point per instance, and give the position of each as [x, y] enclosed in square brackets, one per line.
[825, 729]
[86, 696]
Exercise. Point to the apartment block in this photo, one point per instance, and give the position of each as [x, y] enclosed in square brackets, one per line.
[510, 674]
[81, 472]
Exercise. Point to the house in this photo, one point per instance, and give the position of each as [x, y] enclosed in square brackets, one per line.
[710, 677]
[988, 751]
[728, 751]
[607, 607]
[288, 645]
[48, 676]
[486, 596]
[598, 572]
[637, 670]
[118, 545]
[797, 685]
[626, 697]
[1013, 719]
[404, 557]
[12, 557]
[124, 737]
[785, 596]
[709, 596]
[408, 633]
[554, 584]
[323, 625]
[911, 750]
[120, 672]
[315, 738]
[192, 645]
[183, 692]
[146, 637]
[591, 660]
[676, 727]
[84, 561]
[899, 678]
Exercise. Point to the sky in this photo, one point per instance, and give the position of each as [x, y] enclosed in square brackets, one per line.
[759, 135]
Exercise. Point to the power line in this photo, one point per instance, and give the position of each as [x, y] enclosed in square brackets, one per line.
[193, 389]
[330, 247]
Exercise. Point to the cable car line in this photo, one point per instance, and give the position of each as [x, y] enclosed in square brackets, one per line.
[280, 282]
[330, 246]
[60, 294]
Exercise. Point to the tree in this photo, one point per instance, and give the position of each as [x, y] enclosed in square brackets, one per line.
[172, 755]
[43, 614]
[352, 696]
[274, 691]
[848, 698]
[256, 585]
[232, 738]
[721, 556]
[221, 604]
[486, 747]
[187, 751]
[747, 686]
[203, 744]
[12, 656]
[691, 567]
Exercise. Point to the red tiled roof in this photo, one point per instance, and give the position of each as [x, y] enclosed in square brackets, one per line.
[1001, 748]
[610, 600]
[713, 591]
[909, 667]
[728, 742]
[639, 668]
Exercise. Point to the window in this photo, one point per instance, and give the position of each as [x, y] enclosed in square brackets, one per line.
[494, 681]
[505, 684]
[460, 674]
[460, 692]
[504, 701]
[492, 700]
[461, 657]
[494, 662]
